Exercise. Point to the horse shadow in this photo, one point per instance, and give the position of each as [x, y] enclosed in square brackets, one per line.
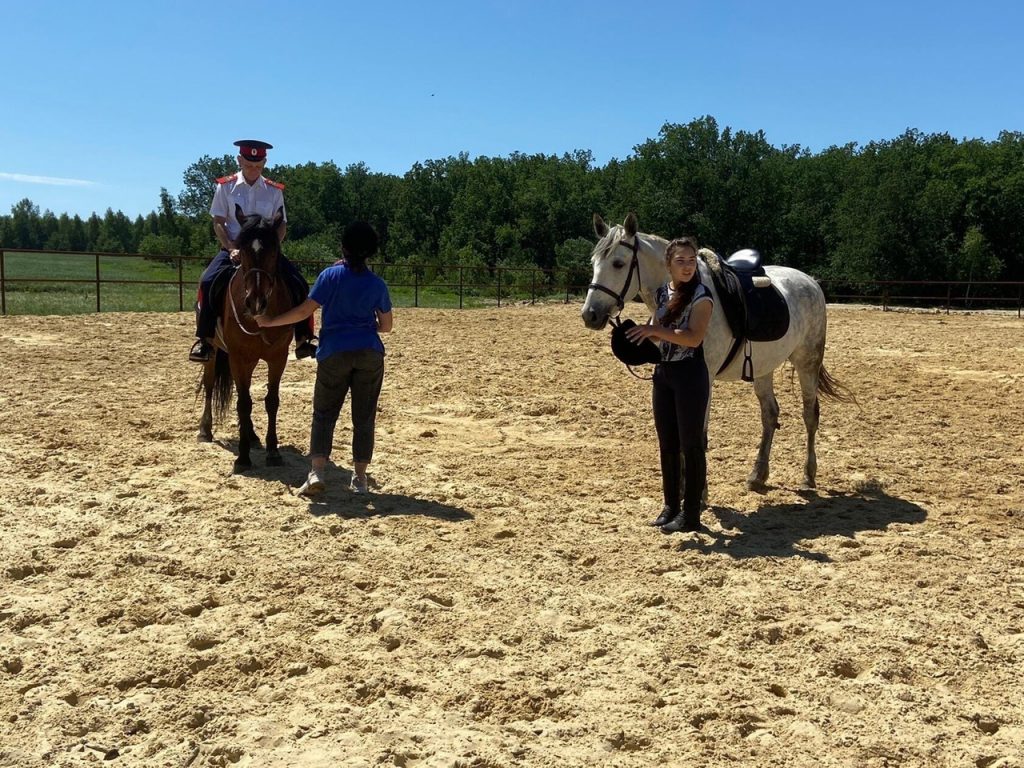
[789, 530]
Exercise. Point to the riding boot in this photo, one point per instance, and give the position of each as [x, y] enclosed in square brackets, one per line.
[305, 345]
[666, 515]
[205, 329]
[305, 341]
[687, 521]
[671, 475]
[695, 479]
[695, 463]
[201, 351]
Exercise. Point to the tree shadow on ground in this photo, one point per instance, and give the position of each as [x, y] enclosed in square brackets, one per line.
[789, 530]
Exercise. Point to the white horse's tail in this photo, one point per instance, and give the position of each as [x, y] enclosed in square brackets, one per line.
[831, 388]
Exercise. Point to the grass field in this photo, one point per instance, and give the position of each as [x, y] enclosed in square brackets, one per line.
[66, 284]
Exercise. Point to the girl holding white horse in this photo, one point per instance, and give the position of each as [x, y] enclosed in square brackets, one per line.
[681, 384]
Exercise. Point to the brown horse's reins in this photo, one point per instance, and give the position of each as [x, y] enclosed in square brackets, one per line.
[234, 309]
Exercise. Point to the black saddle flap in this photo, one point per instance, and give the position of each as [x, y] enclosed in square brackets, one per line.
[755, 314]
[767, 311]
[219, 287]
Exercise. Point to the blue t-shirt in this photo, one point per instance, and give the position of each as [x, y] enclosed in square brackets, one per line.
[349, 303]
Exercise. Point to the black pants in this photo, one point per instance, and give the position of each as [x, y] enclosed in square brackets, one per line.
[206, 314]
[680, 400]
[362, 373]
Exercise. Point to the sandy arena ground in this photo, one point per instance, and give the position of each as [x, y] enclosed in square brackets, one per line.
[501, 600]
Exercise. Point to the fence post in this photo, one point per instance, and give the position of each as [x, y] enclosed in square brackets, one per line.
[533, 286]
[949, 296]
[3, 286]
[416, 288]
[460, 286]
[499, 286]
[97, 282]
[885, 299]
[1020, 297]
[181, 288]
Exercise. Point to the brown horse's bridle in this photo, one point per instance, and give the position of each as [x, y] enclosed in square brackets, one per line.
[245, 277]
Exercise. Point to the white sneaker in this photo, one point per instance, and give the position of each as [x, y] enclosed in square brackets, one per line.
[314, 484]
[359, 485]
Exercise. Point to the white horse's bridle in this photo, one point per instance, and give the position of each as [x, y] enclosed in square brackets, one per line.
[634, 266]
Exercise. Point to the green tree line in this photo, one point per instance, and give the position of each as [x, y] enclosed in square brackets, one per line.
[917, 207]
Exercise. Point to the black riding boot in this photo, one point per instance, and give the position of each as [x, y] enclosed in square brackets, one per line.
[202, 350]
[695, 463]
[305, 341]
[671, 474]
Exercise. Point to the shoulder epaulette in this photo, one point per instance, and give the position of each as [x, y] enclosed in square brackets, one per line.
[276, 184]
[226, 179]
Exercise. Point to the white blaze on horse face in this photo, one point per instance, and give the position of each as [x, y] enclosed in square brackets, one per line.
[611, 259]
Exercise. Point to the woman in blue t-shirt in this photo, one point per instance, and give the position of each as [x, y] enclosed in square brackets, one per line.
[681, 385]
[356, 309]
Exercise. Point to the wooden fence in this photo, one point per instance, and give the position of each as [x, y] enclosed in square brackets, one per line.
[478, 284]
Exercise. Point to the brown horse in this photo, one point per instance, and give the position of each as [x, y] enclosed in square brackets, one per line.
[254, 289]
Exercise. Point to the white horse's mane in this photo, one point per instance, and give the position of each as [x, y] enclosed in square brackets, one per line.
[711, 259]
[616, 232]
[607, 244]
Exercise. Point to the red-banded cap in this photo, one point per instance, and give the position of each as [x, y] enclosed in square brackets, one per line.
[252, 149]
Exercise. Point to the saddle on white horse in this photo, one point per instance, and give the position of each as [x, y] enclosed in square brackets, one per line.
[754, 308]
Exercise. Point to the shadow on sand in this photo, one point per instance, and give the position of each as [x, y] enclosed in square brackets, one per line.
[342, 502]
[789, 530]
[338, 499]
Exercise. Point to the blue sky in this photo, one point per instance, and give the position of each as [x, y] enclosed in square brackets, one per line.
[104, 103]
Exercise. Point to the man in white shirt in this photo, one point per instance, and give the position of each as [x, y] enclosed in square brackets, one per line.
[255, 195]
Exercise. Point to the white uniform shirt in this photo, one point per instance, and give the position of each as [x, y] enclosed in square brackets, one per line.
[261, 197]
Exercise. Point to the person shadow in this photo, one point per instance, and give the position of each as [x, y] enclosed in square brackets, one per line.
[338, 499]
[343, 503]
[789, 530]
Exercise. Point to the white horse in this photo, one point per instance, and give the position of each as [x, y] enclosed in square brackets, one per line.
[627, 261]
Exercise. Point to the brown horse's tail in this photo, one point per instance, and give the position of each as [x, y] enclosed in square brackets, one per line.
[223, 386]
[831, 388]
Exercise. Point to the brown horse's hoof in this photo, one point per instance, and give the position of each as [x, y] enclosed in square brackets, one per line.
[204, 437]
[242, 466]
